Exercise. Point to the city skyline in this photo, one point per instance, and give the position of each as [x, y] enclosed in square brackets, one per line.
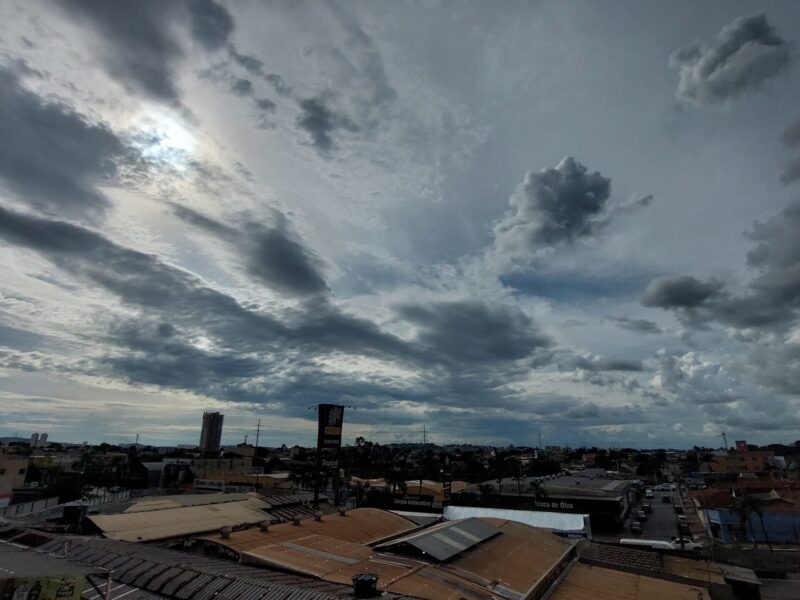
[572, 220]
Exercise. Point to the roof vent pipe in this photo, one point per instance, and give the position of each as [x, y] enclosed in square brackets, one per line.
[342, 511]
[296, 520]
[225, 532]
[264, 526]
[318, 515]
[365, 585]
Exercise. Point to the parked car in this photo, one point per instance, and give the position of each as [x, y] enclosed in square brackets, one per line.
[648, 508]
[641, 515]
[682, 519]
[666, 499]
[648, 493]
[688, 543]
[679, 509]
[636, 528]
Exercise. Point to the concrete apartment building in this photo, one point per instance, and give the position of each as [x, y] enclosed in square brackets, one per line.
[13, 469]
[211, 434]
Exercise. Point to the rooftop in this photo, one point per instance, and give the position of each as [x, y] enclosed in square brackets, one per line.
[19, 562]
[587, 582]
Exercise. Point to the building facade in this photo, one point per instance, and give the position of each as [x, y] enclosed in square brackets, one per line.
[211, 434]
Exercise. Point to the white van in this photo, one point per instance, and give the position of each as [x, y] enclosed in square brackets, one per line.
[655, 544]
[688, 545]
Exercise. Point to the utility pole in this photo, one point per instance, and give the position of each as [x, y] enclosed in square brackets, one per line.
[245, 438]
[137, 439]
[540, 440]
[258, 432]
[725, 439]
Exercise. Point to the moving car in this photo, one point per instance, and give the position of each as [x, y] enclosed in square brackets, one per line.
[641, 515]
[666, 499]
[636, 528]
[648, 493]
[648, 508]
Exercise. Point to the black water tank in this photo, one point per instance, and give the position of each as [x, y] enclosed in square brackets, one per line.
[365, 585]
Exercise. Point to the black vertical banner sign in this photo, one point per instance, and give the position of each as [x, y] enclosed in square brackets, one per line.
[329, 437]
[447, 481]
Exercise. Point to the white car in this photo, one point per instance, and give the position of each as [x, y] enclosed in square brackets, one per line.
[688, 544]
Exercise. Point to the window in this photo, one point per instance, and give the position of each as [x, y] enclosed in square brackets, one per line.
[22, 471]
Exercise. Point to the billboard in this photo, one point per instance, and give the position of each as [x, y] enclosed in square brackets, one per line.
[329, 435]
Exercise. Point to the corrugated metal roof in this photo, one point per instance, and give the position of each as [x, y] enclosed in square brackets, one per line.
[359, 526]
[515, 559]
[179, 500]
[178, 522]
[586, 582]
[447, 540]
[545, 520]
[22, 562]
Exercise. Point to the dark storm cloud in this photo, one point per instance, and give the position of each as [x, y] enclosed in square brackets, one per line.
[51, 157]
[791, 171]
[322, 122]
[212, 24]
[555, 205]
[272, 253]
[773, 295]
[143, 281]
[638, 325]
[680, 292]
[473, 331]
[242, 87]
[141, 50]
[602, 363]
[791, 137]
[745, 54]
[255, 67]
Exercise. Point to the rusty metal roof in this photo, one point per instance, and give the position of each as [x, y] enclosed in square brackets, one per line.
[586, 582]
[167, 523]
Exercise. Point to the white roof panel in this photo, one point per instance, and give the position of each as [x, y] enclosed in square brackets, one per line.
[545, 520]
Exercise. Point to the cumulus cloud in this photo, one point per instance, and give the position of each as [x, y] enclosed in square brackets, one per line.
[557, 205]
[695, 379]
[745, 54]
[140, 48]
[52, 157]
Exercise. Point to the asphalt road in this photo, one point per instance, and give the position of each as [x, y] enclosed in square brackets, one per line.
[661, 524]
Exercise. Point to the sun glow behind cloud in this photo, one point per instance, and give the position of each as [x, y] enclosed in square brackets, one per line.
[166, 137]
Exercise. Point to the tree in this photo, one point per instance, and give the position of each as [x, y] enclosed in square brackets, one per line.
[537, 488]
[746, 507]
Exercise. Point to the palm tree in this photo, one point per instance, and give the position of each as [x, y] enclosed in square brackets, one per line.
[746, 507]
[537, 488]
[397, 480]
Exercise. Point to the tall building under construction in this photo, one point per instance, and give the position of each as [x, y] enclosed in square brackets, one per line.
[211, 433]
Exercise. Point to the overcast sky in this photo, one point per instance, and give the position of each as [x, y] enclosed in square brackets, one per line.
[573, 219]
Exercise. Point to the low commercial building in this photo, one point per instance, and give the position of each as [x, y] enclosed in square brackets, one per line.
[606, 500]
[466, 559]
[777, 523]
